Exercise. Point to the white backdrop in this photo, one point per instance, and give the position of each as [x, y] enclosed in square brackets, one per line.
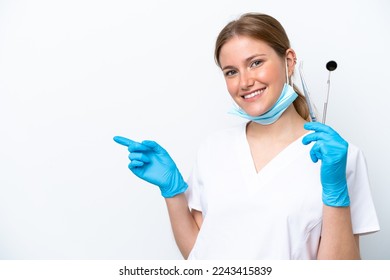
[75, 73]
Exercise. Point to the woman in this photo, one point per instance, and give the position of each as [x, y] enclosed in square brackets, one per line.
[255, 192]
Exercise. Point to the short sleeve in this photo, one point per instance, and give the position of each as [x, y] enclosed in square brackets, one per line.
[194, 186]
[363, 213]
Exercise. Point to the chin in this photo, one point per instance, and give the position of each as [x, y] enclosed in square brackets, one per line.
[254, 113]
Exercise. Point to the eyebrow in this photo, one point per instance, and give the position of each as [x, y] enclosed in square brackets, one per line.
[246, 60]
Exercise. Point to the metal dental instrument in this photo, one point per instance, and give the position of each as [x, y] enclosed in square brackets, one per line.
[331, 66]
[307, 94]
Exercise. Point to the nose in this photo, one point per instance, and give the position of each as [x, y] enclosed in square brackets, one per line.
[246, 80]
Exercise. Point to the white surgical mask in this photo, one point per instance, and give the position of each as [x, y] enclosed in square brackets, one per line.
[287, 96]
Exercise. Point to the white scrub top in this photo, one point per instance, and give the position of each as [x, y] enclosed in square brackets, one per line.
[273, 214]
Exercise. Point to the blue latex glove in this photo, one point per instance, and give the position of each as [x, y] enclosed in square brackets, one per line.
[332, 150]
[150, 162]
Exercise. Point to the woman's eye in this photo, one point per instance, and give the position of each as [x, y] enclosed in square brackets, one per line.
[230, 72]
[256, 63]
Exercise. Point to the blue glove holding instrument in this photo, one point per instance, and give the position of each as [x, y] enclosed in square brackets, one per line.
[332, 150]
[150, 162]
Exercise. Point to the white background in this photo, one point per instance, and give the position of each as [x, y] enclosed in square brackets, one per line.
[75, 73]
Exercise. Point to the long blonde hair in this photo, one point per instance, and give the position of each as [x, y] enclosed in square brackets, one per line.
[265, 28]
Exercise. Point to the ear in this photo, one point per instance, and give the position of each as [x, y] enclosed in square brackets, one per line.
[291, 61]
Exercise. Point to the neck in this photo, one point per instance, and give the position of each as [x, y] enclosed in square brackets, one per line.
[288, 126]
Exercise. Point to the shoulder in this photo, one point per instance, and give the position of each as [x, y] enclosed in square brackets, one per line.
[222, 140]
[224, 135]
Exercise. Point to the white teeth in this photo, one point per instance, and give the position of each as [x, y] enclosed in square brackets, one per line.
[257, 92]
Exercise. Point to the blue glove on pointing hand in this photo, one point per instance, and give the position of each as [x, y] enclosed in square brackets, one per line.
[150, 162]
[332, 150]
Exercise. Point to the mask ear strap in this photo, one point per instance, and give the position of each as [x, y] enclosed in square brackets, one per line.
[287, 81]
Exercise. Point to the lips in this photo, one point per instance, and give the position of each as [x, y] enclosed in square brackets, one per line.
[253, 93]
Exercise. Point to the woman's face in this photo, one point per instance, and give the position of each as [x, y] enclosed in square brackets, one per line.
[254, 73]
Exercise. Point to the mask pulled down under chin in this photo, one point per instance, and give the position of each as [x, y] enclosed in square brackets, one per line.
[287, 97]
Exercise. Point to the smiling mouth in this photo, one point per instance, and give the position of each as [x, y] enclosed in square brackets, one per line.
[253, 94]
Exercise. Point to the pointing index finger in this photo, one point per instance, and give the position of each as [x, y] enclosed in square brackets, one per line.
[123, 141]
[131, 145]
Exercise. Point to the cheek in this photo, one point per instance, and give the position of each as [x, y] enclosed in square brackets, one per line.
[267, 75]
[232, 86]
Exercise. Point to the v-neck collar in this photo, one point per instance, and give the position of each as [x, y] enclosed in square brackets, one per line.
[273, 167]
